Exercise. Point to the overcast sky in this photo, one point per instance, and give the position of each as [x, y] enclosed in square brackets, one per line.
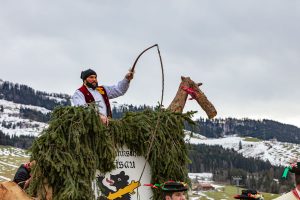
[246, 53]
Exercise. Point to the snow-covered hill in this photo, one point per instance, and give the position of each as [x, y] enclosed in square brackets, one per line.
[21, 105]
[12, 124]
[277, 153]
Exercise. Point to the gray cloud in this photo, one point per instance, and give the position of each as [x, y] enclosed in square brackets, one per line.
[245, 52]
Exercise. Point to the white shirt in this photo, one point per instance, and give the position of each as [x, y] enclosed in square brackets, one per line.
[114, 91]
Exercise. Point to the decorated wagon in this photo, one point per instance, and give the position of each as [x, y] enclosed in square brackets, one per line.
[78, 157]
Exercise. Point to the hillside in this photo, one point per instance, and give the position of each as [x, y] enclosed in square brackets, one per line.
[277, 153]
[263, 129]
[25, 95]
[13, 122]
[24, 111]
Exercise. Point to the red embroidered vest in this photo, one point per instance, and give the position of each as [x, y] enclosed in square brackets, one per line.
[89, 97]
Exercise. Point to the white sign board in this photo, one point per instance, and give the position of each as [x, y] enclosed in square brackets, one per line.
[123, 182]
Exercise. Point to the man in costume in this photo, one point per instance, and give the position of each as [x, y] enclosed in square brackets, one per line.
[295, 193]
[22, 176]
[174, 190]
[90, 92]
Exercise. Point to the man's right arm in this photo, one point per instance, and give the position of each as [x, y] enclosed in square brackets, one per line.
[78, 99]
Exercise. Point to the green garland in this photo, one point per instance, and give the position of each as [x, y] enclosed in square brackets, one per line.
[76, 143]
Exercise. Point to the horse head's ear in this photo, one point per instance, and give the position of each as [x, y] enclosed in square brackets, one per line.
[199, 84]
[182, 78]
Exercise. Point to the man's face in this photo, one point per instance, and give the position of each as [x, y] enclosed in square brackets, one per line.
[176, 196]
[92, 79]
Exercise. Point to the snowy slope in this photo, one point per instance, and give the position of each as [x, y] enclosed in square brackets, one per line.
[19, 126]
[277, 153]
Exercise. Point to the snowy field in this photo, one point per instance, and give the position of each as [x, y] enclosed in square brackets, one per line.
[10, 159]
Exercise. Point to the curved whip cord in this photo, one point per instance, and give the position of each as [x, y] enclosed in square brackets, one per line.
[161, 65]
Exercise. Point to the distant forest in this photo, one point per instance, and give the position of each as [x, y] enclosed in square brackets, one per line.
[23, 142]
[26, 95]
[227, 163]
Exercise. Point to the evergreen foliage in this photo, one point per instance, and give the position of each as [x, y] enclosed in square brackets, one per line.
[27, 113]
[75, 144]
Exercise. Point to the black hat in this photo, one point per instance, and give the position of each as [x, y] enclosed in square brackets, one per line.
[87, 73]
[171, 186]
[249, 194]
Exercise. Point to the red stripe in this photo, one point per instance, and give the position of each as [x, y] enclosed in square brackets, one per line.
[87, 95]
[295, 193]
[106, 101]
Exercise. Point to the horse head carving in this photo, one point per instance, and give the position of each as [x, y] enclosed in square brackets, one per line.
[189, 87]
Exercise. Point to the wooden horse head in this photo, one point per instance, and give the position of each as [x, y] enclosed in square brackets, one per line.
[189, 87]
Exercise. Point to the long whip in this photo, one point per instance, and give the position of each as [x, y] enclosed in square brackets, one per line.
[153, 134]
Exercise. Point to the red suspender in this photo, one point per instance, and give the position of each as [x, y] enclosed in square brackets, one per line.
[89, 97]
[103, 92]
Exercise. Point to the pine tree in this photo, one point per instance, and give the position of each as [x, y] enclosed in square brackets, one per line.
[240, 145]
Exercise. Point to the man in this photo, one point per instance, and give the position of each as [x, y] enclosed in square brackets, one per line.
[22, 176]
[174, 190]
[295, 193]
[90, 92]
